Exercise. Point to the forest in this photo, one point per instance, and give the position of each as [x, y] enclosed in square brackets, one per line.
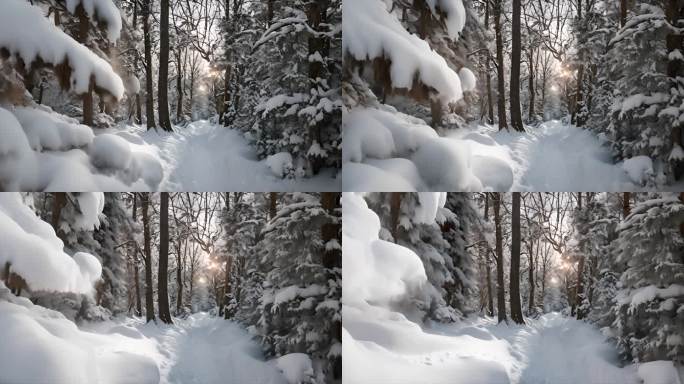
[170, 95]
[513, 287]
[519, 95]
[239, 288]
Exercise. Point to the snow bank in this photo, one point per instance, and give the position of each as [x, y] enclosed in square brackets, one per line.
[43, 40]
[41, 346]
[36, 253]
[280, 163]
[658, 372]
[296, 367]
[371, 31]
[639, 169]
[101, 10]
[46, 130]
[43, 150]
[385, 150]
[455, 14]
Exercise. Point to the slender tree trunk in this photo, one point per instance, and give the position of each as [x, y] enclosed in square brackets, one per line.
[179, 279]
[316, 11]
[163, 83]
[500, 289]
[179, 87]
[163, 275]
[530, 277]
[490, 289]
[501, 86]
[530, 85]
[516, 114]
[136, 264]
[149, 294]
[516, 311]
[332, 260]
[59, 200]
[227, 287]
[623, 12]
[273, 205]
[83, 28]
[625, 204]
[149, 90]
[675, 72]
[488, 74]
[395, 210]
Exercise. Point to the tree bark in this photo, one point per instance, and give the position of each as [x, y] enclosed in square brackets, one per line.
[516, 114]
[59, 200]
[163, 83]
[332, 259]
[395, 210]
[530, 85]
[163, 275]
[179, 87]
[516, 311]
[490, 289]
[149, 294]
[83, 29]
[149, 90]
[625, 204]
[273, 205]
[316, 11]
[674, 41]
[136, 269]
[501, 86]
[500, 290]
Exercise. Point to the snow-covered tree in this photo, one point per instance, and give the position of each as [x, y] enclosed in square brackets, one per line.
[650, 301]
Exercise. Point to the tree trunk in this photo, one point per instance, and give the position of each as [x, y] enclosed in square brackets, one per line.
[530, 276]
[625, 204]
[136, 262]
[163, 83]
[179, 278]
[179, 87]
[273, 205]
[315, 17]
[227, 288]
[163, 275]
[83, 28]
[516, 311]
[488, 75]
[149, 99]
[500, 290]
[395, 210]
[501, 86]
[516, 114]
[490, 289]
[332, 260]
[149, 294]
[59, 200]
[623, 12]
[530, 85]
[674, 41]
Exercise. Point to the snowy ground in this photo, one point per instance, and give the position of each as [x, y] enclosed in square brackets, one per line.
[208, 157]
[386, 150]
[199, 349]
[551, 349]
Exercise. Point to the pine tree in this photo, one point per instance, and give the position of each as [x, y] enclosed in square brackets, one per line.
[650, 303]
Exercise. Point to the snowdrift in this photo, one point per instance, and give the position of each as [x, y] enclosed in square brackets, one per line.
[43, 150]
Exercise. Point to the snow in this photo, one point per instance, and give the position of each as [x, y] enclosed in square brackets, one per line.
[384, 342]
[46, 41]
[455, 14]
[43, 150]
[385, 147]
[90, 205]
[296, 367]
[651, 292]
[430, 203]
[204, 156]
[50, 131]
[35, 252]
[639, 169]
[371, 31]
[104, 10]
[41, 345]
[658, 372]
[468, 80]
[280, 163]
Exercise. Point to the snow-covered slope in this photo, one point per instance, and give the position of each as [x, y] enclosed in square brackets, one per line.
[386, 150]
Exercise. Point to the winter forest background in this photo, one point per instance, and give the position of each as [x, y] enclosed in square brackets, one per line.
[522, 95]
[170, 288]
[177, 95]
[513, 288]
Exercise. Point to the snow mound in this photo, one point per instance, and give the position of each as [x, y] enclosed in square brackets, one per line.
[658, 372]
[48, 43]
[639, 169]
[280, 163]
[41, 346]
[43, 150]
[468, 79]
[296, 367]
[35, 252]
[371, 31]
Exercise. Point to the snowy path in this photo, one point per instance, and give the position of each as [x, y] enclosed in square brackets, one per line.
[552, 349]
[551, 157]
[199, 349]
[208, 157]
